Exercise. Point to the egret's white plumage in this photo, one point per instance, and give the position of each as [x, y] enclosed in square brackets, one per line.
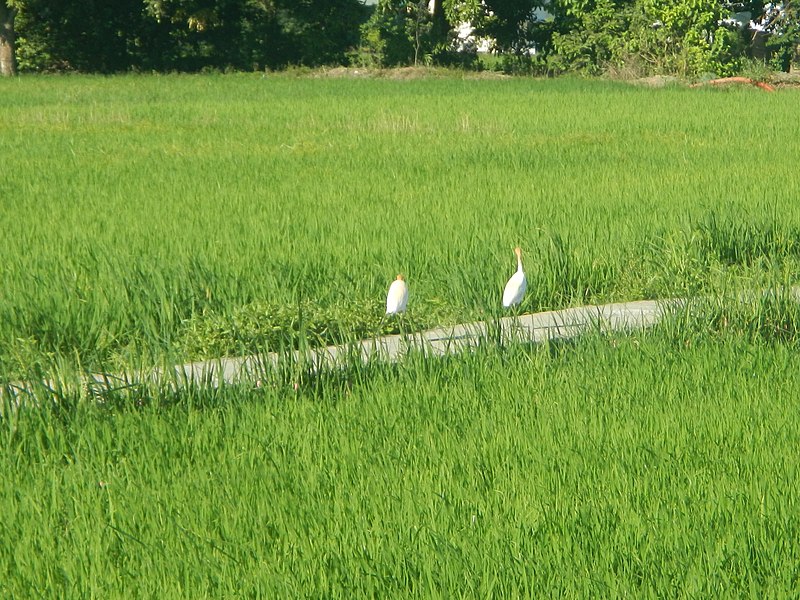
[516, 286]
[397, 298]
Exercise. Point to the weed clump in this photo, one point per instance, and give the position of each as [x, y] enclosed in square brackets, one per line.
[771, 316]
[738, 242]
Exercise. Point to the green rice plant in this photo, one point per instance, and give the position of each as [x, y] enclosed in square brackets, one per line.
[565, 276]
[735, 241]
[609, 465]
[153, 220]
[770, 315]
[149, 216]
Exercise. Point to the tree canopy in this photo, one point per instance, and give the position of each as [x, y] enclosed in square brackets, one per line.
[687, 37]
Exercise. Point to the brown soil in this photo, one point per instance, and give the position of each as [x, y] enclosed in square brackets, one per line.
[404, 73]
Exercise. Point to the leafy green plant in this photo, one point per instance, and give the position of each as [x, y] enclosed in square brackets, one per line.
[394, 34]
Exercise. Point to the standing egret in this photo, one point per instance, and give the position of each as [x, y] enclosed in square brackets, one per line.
[397, 297]
[516, 286]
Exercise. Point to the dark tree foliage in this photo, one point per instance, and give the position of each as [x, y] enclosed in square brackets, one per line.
[685, 37]
[319, 32]
[186, 35]
[784, 29]
[92, 35]
[403, 32]
[511, 23]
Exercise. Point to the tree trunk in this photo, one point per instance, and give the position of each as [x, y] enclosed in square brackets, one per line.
[8, 40]
[440, 25]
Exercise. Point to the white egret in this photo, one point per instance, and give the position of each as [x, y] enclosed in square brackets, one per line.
[516, 286]
[397, 298]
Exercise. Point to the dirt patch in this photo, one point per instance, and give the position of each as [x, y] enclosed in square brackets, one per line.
[778, 80]
[402, 73]
[657, 81]
[781, 80]
[345, 72]
[774, 81]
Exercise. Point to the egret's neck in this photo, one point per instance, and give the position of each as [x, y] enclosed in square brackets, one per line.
[519, 263]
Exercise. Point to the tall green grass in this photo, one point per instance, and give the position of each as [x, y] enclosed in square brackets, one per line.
[610, 466]
[149, 220]
[160, 216]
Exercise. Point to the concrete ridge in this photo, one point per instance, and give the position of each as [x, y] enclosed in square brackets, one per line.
[535, 327]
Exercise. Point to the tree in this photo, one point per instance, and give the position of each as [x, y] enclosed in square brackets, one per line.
[781, 20]
[8, 38]
[686, 37]
[590, 34]
[319, 32]
[399, 32]
[217, 33]
[85, 35]
[184, 35]
[419, 27]
[271, 33]
[511, 23]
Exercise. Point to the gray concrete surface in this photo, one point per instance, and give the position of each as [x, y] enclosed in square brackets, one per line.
[536, 328]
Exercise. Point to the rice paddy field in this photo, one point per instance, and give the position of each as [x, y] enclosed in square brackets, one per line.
[151, 220]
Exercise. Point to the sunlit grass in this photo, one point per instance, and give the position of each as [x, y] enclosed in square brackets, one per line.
[152, 220]
[139, 211]
[622, 466]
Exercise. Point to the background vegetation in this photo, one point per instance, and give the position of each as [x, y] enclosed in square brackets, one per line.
[687, 37]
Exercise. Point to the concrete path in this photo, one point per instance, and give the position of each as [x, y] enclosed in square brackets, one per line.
[538, 327]
[529, 328]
